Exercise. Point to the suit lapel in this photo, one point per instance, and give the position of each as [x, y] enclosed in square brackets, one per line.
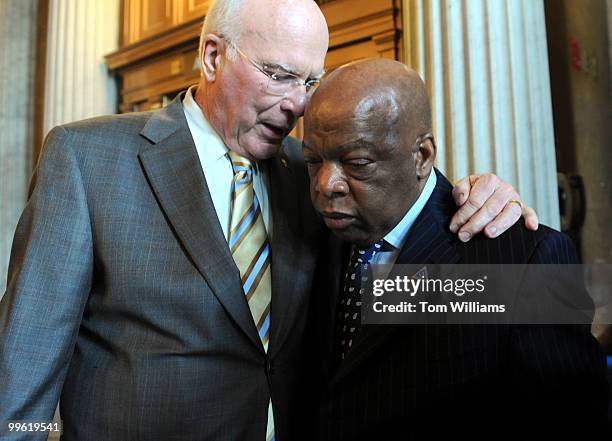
[173, 169]
[292, 260]
[428, 242]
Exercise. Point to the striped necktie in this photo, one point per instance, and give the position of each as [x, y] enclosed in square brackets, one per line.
[250, 249]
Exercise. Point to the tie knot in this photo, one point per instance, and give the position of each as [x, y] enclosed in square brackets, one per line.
[240, 163]
[365, 254]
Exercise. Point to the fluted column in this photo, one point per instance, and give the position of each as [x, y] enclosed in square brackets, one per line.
[78, 86]
[17, 63]
[486, 66]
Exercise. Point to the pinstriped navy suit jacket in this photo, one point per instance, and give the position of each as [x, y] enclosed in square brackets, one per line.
[403, 382]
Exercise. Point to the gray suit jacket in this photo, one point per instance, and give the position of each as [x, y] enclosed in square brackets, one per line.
[123, 295]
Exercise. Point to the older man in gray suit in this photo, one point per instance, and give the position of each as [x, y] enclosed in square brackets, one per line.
[160, 273]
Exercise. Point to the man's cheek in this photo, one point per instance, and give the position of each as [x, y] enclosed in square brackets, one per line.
[367, 213]
[360, 228]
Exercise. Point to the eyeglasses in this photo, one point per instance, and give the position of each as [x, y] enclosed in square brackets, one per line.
[280, 82]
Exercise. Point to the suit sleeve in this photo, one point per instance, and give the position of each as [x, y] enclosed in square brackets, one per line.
[559, 371]
[48, 283]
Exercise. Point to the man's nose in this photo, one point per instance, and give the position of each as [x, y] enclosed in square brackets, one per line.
[331, 181]
[295, 101]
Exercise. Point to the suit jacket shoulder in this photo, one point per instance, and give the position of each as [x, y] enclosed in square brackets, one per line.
[517, 245]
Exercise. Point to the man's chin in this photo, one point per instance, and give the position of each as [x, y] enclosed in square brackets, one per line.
[348, 235]
[359, 240]
[264, 149]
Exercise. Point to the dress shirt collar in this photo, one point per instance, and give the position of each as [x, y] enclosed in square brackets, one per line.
[211, 147]
[215, 148]
[397, 236]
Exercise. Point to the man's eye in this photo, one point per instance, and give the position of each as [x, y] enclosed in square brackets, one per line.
[358, 162]
[287, 79]
[282, 78]
[311, 161]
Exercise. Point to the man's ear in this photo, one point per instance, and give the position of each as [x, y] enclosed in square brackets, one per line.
[210, 58]
[425, 157]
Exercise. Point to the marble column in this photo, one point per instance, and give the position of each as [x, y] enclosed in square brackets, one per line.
[486, 66]
[78, 86]
[17, 64]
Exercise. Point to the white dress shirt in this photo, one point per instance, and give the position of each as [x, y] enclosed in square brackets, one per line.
[217, 166]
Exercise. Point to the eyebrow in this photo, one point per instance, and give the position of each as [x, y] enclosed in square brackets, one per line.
[354, 145]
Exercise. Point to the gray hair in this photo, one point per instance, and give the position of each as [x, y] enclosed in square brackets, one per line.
[223, 18]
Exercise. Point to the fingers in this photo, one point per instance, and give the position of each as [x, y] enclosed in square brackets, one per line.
[488, 204]
[509, 216]
[504, 220]
[531, 218]
[462, 189]
[481, 189]
[495, 217]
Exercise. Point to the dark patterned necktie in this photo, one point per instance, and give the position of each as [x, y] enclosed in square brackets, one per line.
[348, 319]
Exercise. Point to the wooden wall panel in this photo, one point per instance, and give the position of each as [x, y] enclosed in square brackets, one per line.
[156, 16]
[154, 69]
[193, 9]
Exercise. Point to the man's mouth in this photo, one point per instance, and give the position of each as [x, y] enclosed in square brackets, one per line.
[273, 131]
[337, 221]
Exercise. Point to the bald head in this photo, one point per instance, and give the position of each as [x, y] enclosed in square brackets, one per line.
[300, 21]
[368, 147]
[266, 20]
[378, 93]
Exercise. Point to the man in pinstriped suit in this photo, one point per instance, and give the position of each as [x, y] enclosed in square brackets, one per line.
[123, 295]
[370, 159]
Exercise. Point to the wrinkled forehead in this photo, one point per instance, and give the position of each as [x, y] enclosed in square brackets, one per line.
[335, 110]
[335, 132]
[328, 115]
